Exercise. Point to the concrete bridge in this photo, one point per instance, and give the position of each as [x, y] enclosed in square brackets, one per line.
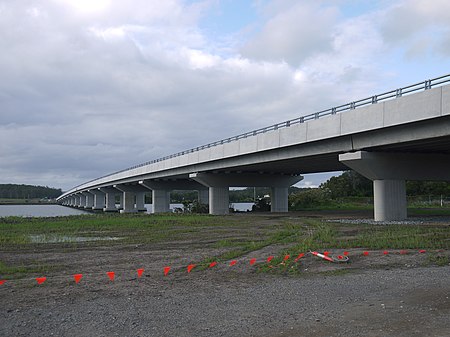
[389, 138]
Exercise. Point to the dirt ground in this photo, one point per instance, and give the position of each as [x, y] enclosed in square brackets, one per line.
[398, 294]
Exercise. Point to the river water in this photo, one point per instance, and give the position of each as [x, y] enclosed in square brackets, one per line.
[57, 210]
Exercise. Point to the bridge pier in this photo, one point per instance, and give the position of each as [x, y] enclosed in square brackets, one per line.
[279, 199]
[110, 198]
[388, 171]
[161, 191]
[389, 200]
[89, 203]
[219, 200]
[82, 200]
[133, 198]
[99, 199]
[219, 184]
[77, 200]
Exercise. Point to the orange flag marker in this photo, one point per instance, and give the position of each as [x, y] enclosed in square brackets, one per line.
[166, 270]
[41, 280]
[299, 257]
[422, 251]
[366, 253]
[190, 267]
[326, 253]
[77, 277]
[252, 261]
[2, 282]
[287, 257]
[140, 272]
[345, 253]
[232, 263]
[385, 252]
[269, 259]
[212, 264]
[111, 275]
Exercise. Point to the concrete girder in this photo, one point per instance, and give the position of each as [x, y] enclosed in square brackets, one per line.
[389, 171]
[172, 184]
[245, 179]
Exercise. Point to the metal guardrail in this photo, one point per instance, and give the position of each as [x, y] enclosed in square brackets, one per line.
[421, 86]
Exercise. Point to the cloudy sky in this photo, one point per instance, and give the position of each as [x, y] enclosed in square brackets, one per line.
[89, 87]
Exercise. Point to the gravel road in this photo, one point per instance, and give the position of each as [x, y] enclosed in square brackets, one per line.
[375, 302]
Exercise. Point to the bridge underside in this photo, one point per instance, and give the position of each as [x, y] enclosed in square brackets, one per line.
[388, 156]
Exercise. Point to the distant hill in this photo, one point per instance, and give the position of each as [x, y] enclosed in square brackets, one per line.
[14, 191]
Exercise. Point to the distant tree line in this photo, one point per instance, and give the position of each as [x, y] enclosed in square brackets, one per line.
[351, 184]
[248, 194]
[13, 191]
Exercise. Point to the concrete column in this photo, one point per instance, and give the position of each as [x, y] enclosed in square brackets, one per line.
[279, 199]
[99, 199]
[203, 197]
[140, 202]
[77, 200]
[161, 198]
[161, 201]
[388, 171]
[219, 200]
[128, 203]
[129, 196]
[219, 184]
[389, 200]
[89, 200]
[82, 201]
[110, 198]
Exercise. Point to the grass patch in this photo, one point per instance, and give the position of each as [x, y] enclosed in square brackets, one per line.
[439, 259]
[234, 236]
[21, 271]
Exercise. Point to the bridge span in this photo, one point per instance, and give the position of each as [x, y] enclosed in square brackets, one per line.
[389, 138]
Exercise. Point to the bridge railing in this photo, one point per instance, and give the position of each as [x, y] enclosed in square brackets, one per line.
[421, 86]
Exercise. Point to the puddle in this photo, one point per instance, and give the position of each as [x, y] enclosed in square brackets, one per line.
[65, 238]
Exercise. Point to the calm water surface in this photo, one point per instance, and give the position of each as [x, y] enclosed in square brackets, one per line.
[57, 210]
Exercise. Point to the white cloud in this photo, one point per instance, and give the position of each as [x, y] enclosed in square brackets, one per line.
[293, 34]
[417, 25]
[85, 93]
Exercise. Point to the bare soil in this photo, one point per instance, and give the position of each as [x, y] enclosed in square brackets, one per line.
[399, 294]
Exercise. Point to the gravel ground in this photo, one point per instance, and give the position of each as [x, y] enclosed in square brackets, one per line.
[392, 302]
[399, 294]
